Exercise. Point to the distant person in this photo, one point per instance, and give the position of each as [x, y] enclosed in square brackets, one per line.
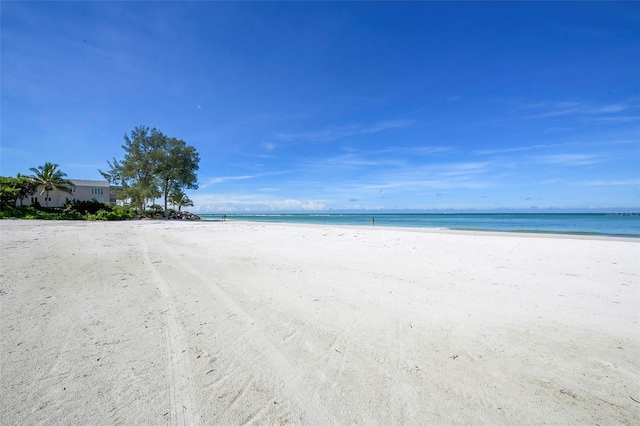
[373, 221]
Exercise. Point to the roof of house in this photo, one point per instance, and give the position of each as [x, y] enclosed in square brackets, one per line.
[84, 182]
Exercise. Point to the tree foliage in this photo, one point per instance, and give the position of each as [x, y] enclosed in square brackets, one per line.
[179, 199]
[15, 189]
[26, 187]
[154, 165]
[50, 177]
[8, 192]
[177, 168]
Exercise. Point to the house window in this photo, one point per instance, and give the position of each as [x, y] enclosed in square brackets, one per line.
[97, 191]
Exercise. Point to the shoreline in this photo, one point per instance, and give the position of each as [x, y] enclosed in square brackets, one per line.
[454, 231]
[625, 226]
[526, 233]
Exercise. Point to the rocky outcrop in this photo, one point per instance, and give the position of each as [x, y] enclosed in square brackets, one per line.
[173, 215]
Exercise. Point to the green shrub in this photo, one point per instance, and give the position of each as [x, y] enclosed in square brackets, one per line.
[71, 210]
[119, 213]
[8, 192]
[84, 207]
[123, 213]
[30, 212]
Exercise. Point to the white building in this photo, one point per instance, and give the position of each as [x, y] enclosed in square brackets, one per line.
[83, 190]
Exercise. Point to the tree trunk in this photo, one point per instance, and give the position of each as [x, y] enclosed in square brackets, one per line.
[166, 211]
[166, 195]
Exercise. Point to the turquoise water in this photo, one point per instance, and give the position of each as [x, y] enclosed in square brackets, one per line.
[623, 223]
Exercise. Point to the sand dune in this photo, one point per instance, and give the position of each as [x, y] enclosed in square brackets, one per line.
[246, 323]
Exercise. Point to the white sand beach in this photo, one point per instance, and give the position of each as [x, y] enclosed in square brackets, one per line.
[167, 322]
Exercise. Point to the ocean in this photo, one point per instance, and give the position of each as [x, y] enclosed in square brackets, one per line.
[613, 224]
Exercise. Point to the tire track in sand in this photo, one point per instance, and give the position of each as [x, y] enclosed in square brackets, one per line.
[179, 371]
[298, 392]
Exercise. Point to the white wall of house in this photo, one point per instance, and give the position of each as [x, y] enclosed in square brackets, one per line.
[83, 190]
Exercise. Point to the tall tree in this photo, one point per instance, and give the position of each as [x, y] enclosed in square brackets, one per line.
[136, 172]
[153, 165]
[50, 177]
[177, 166]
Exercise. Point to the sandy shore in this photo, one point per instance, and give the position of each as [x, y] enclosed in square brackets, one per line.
[247, 323]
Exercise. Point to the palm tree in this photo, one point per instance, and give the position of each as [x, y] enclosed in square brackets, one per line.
[184, 201]
[178, 198]
[50, 177]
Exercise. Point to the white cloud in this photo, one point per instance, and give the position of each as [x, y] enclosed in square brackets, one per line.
[222, 179]
[617, 119]
[613, 182]
[463, 169]
[568, 159]
[561, 109]
[510, 150]
[413, 150]
[210, 203]
[338, 132]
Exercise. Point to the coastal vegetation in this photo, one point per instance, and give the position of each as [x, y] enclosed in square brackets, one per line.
[50, 177]
[71, 210]
[180, 200]
[13, 191]
[154, 166]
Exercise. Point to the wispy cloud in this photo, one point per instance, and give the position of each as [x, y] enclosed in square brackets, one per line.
[617, 119]
[612, 182]
[369, 161]
[567, 145]
[208, 203]
[463, 169]
[470, 175]
[353, 160]
[572, 108]
[568, 159]
[413, 150]
[511, 150]
[222, 179]
[339, 132]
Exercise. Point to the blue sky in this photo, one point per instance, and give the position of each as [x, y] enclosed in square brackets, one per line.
[333, 106]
